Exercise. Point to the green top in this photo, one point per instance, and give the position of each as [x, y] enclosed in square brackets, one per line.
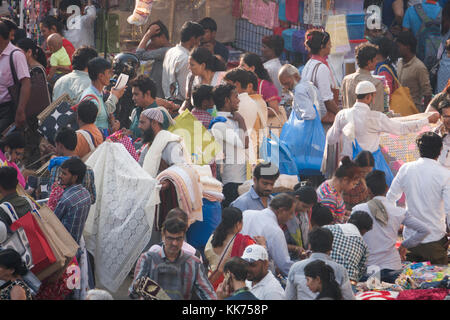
[20, 204]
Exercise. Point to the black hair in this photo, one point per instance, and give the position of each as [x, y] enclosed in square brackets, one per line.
[361, 220]
[230, 217]
[408, 39]
[11, 259]
[87, 111]
[97, 66]
[388, 49]
[220, 93]
[253, 60]
[321, 215]
[191, 29]
[208, 24]
[37, 52]
[365, 159]
[363, 96]
[320, 239]
[50, 21]
[162, 28]
[376, 182]
[330, 287]
[306, 194]
[238, 75]
[444, 104]
[203, 55]
[178, 213]
[429, 144]
[14, 140]
[8, 178]
[348, 169]
[82, 56]
[274, 42]
[76, 167]
[282, 201]
[4, 30]
[145, 83]
[201, 93]
[264, 166]
[174, 225]
[253, 80]
[238, 267]
[10, 24]
[67, 137]
[315, 40]
[364, 53]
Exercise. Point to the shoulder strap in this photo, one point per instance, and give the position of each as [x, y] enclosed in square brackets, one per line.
[90, 97]
[13, 69]
[9, 210]
[421, 13]
[392, 72]
[260, 87]
[88, 137]
[314, 73]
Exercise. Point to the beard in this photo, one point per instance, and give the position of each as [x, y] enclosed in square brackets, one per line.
[148, 135]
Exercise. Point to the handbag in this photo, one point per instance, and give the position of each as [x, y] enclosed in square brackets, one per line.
[14, 90]
[19, 242]
[41, 251]
[401, 100]
[39, 96]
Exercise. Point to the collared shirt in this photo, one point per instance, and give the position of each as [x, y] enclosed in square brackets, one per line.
[157, 56]
[83, 148]
[414, 75]
[20, 204]
[306, 96]
[296, 288]
[60, 58]
[192, 271]
[104, 108]
[84, 34]
[349, 86]
[264, 223]
[232, 138]
[250, 201]
[273, 66]
[73, 209]
[412, 20]
[349, 249]
[88, 181]
[73, 84]
[381, 239]
[368, 126]
[324, 78]
[6, 78]
[444, 158]
[269, 288]
[175, 71]
[203, 116]
[426, 185]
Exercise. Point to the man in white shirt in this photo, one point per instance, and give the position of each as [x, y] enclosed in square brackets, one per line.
[248, 108]
[266, 223]
[306, 95]
[176, 61]
[271, 50]
[229, 129]
[387, 219]
[260, 280]
[361, 128]
[426, 184]
[80, 28]
[444, 131]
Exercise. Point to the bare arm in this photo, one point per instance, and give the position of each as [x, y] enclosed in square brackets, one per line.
[25, 91]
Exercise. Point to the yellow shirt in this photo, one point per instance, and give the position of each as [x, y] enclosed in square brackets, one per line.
[60, 58]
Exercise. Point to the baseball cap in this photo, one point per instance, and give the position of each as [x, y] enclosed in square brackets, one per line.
[254, 253]
[365, 87]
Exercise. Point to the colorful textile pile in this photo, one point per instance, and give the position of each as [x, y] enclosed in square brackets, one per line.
[212, 188]
[120, 137]
[415, 274]
[261, 13]
[377, 295]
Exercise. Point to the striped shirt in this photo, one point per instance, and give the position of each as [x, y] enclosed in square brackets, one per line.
[329, 197]
[73, 209]
[179, 279]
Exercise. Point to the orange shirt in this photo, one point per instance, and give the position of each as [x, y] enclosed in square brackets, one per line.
[83, 148]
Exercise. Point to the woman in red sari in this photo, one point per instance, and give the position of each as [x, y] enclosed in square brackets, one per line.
[226, 242]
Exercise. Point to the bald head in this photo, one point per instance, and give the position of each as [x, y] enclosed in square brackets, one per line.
[54, 42]
[289, 76]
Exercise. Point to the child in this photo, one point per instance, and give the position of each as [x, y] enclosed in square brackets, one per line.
[59, 60]
[320, 278]
[203, 102]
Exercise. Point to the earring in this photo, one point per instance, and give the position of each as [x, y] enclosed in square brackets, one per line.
[8, 156]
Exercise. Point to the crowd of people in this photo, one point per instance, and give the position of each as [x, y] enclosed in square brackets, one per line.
[258, 236]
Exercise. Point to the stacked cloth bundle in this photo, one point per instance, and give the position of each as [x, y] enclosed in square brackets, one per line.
[422, 275]
[188, 187]
[212, 188]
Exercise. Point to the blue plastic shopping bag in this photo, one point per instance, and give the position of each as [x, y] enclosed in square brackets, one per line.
[305, 140]
[277, 153]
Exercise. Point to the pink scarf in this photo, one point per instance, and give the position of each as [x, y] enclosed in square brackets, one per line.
[4, 161]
